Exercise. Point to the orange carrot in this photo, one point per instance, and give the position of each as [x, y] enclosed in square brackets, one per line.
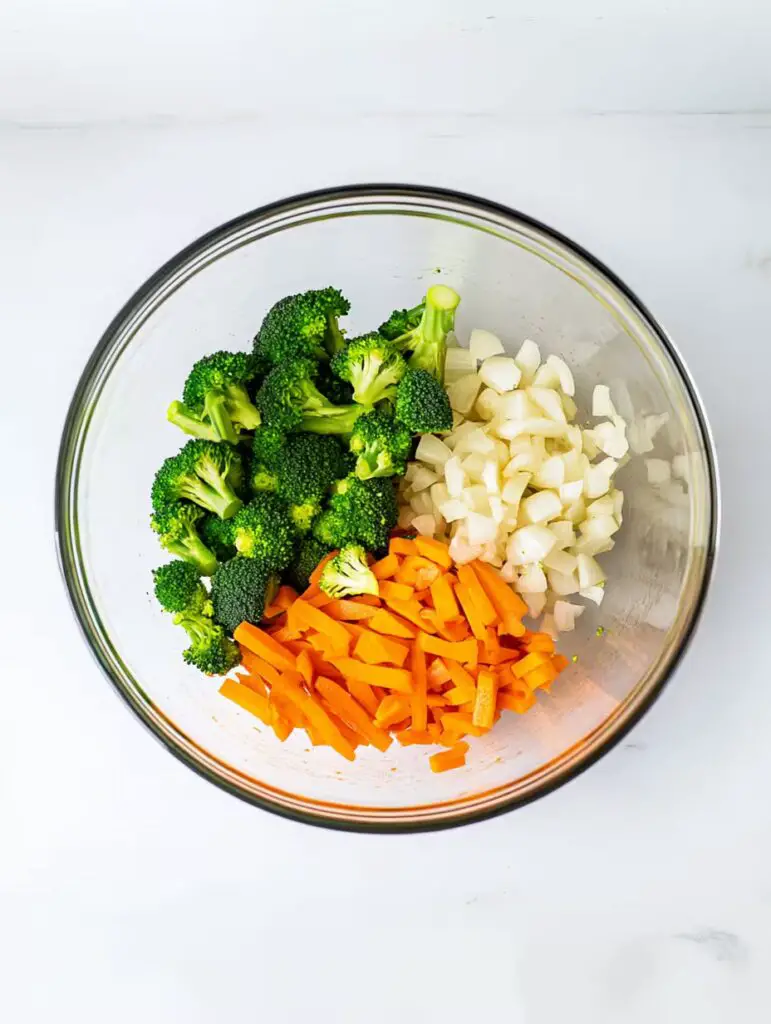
[560, 662]
[544, 675]
[376, 649]
[305, 667]
[363, 693]
[455, 757]
[484, 606]
[392, 709]
[264, 646]
[540, 642]
[306, 616]
[466, 651]
[411, 611]
[347, 708]
[462, 723]
[388, 588]
[438, 673]
[509, 605]
[409, 737]
[402, 546]
[420, 684]
[386, 567]
[470, 611]
[398, 679]
[484, 705]
[513, 702]
[435, 550]
[247, 699]
[444, 599]
[491, 646]
[528, 663]
[392, 625]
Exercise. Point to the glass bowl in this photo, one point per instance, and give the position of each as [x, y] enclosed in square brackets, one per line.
[383, 245]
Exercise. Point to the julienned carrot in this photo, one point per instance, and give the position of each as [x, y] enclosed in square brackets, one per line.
[544, 675]
[466, 651]
[401, 591]
[377, 650]
[528, 663]
[444, 599]
[305, 615]
[392, 625]
[412, 611]
[455, 757]
[435, 550]
[392, 709]
[462, 723]
[470, 611]
[512, 702]
[484, 703]
[420, 688]
[509, 605]
[438, 673]
[409, 737]
[246, 699]
[402, 546]
[462, 679]
[313, 587]
[386, 567]
[398, 679]
[352, 713]
[540, 642]
[363, 693]
[264, 646]
[305, 667]
[482, 603]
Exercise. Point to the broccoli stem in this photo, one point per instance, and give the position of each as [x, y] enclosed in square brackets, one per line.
[215, 495]
[334, 341]
[335, 419]
[240, 407]
[216, 409]
[181, 417]
[193, 549]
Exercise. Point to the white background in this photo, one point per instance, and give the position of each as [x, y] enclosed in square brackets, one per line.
[130, 889]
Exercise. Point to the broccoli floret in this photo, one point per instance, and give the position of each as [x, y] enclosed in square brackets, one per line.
[264, 530]
[177, 526]
[372, 365]
[178, 588]
[360, 512]
[215, 402]
[309, 554]
[262, 479]
[289, 400]
[382, 445]
[267, 446]
[422, 404]
[240, 590]
[428, 340]
[219, 537]
[302, 326]
[348, 574]
[310, 465]
[401, 322]
[339, 392]
[211, 650]
[203, 472]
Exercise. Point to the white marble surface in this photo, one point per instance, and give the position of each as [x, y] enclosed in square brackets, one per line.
[128, 887]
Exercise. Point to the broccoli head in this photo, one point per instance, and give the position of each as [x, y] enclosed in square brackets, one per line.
[240, 590]
[427, 341]
[348, 574]
[310, 465]
[360, 512]
[302, 326]
[267, 446]
[262, 479]
[309, 554]
[382, 445]
[289, 400]
[372, 365]
[401, 322]
[202, 472]
[218, 536]
[422, 404]
[215, 401]
[177, 525]
[178, 588]
[211, 650]
[264, 530]
[339, 392]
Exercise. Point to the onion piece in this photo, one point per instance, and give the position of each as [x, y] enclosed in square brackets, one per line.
[565, 615]
[528, 359]
[483, 344]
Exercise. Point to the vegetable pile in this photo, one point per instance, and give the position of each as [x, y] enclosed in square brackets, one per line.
[294, 452]
[435, 657]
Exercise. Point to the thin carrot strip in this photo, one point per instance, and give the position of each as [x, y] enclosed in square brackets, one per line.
[398, 679]
[438, 673]
[420, 684]
[529, 662]
[313, 618]
[491, 646]
[435, 550]
[264, 646]
[560, 662]
[392, 625]
[281, 726]
[363, 693]
[455, 757]
[386, 567]
[376, 649]
[434, 730]
[351, 712]
[392, 709]
[320, 600]
[402, 546]
[461, 722]
[287, 710]
[484, 704]
[541, 642]
[370, 599]
[259, 667]
[305, 667]
[310, 707]
[484, 606]
[544, 675]
[444, 599]
[409, 737]
[254, 682]
[411, 611]
[344, 611]
[247, 699]
[515, 702]
[388, 588]
[506, 600]
[465, 651]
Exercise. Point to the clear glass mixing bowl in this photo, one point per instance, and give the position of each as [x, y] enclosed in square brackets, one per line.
[383, 245]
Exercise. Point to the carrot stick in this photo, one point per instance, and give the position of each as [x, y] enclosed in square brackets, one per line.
[376, 649]
[411, 611]
[466, 651]
[247, 699]
[363, 693]
[484, 607]
[560, 662]
[438, 673]
[281, 726]
[541, 676]
[462, 723]
[344, 611]
[484, 705]
[402, 546]
[420, 683]
[470, 611]
[392, 709]
[398, 679]
[444, 599]
[514, 702]
[264, 646]
[528, 663]
[313, 618]
[455, 757]
[392, 625]
[541, 642]
[388, 588]
[259, 667]
[438, 552]
[351, 712]
[506, 601]
[386, 567]
[409, 737]
[305, 667]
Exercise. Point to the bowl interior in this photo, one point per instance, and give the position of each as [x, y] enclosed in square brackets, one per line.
[383, 250]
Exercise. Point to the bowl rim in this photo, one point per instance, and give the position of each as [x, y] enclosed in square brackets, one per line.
[289, 204]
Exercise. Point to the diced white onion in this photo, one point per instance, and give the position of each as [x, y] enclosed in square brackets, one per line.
[425, 525]
[531, 581]
[483, 344]
[432, 450]
[454, 477]
[589, 572]
[423, 478]
[541, 506]
[459, 362]
[453, 509]
[595, 594]
[530, 544]
[565, 615]
[528, 359]
[535, 604]
[563, 372]
[561, 561]
[463, 392]
[563, 583]
[549, 402]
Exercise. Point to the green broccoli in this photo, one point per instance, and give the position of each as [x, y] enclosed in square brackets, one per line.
[211, 650]
[289, 400]
[372, 365]
[428, 340]
[309, 554]
[215, 402]
[267, 446]
[422, 404]
[360, 512]
[264, 530]
[219, 537]
[203, 472]
[177, 526]
[382, 445]
[339, 392]
[240, 590]
[348, 574]
[401, 322]
[178, 588]
[302, 326]
[262, 479]
[309, 466]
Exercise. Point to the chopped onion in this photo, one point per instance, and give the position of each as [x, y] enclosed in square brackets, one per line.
[488, 404]
[423, 478]
[535, 604]
[459, 362]
[463, 392]
[546, 377]
[530, 544]
[563, 372]
[483, 344]
[432, 450]
[549, 402]
[561, 561]
[565, 615]
[481, 529]
[514, 488]
[601, 402]
[550, 473]
[528, 359]
[453, 509]
[500, 373]
[563, 583]
[425, 525]
[454, 477]
[563, 532]
[589, 572]
[595, 594]
[475, 441]
[541, 506]
[531, 581]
